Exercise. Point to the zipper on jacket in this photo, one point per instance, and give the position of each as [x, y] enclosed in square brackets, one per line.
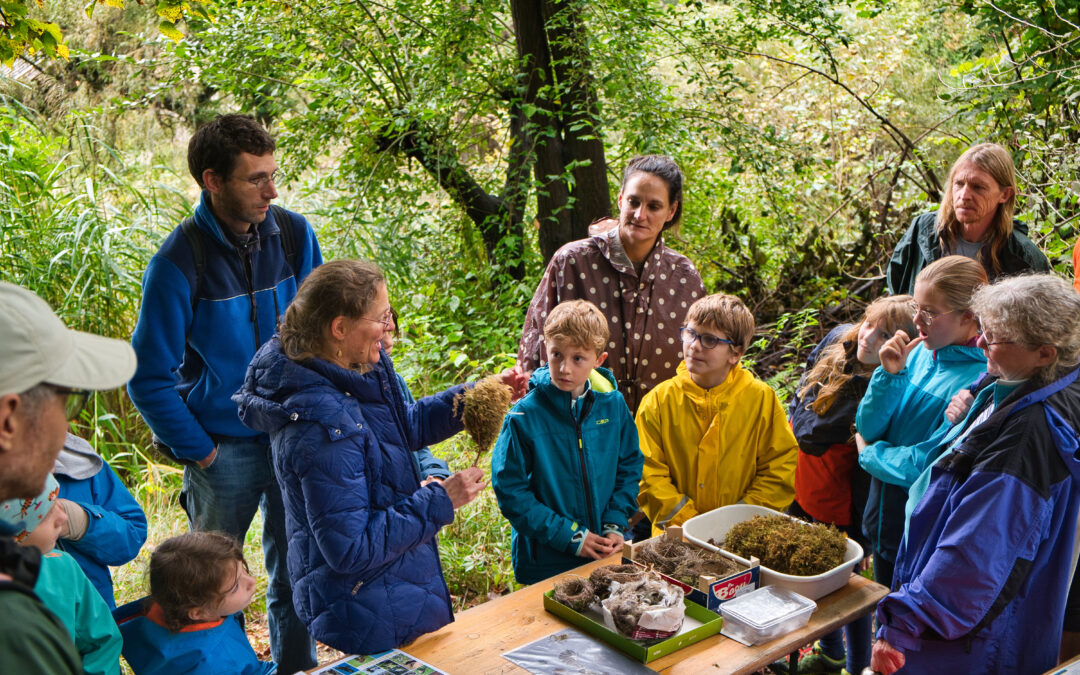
[585, 408]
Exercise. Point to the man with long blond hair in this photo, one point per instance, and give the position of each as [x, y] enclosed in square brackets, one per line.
[975, 220]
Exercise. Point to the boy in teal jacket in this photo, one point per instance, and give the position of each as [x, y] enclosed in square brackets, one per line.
[567, 465]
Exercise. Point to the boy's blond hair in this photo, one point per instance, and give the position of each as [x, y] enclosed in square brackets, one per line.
[727, 314]
[580, 322]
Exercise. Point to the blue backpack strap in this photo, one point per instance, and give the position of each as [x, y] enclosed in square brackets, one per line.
[288, 236]
[198, 256]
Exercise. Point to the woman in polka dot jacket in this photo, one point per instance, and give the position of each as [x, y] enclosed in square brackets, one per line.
[642, 286]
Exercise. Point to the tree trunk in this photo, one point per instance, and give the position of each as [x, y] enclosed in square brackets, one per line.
[562, 126]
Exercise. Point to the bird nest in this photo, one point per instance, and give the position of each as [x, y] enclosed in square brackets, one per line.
[682, 561]
[482, 409]
[602, 577]
[575, 592]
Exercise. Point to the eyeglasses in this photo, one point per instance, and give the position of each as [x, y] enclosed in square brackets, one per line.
[926, 315]
[386, 320]
[262, 181]
[708, 341]
[988, 338]
[74, 400]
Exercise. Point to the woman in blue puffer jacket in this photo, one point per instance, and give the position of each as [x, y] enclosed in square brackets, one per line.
[363, 557]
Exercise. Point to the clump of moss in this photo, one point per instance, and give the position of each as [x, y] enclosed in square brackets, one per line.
[683, 562]
[788, 546]
[482, 409]
[574, 592]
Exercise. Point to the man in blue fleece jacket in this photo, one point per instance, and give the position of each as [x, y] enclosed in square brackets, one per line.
[212, 296]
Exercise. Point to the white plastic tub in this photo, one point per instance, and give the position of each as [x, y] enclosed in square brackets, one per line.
[765, 614]
[715, 525]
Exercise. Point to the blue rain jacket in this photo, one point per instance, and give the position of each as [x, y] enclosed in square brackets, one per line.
[982, 583]
[560, 473]
[363, 556]
[116, 530]
[902, 418]
[214, 648]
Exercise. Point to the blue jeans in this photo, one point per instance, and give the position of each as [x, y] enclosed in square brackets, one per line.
[224, 497]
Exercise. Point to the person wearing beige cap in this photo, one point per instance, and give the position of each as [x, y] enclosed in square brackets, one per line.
[46, 374]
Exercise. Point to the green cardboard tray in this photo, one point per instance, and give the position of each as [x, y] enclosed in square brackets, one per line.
[711, 623]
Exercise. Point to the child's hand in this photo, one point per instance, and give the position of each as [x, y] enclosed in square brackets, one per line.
[959, 406]
[894, 352]
[616, 540]
[597, 547]
[517, 379]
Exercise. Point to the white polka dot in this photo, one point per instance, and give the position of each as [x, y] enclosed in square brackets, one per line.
[611, 345]
[682, 281]
[606, 279]
[693, 294]
[663, 276]
[667, 365]
[639, 309]
[627, 325]
[671, 292]
[683, 304]
[644, 362]
[553, 284]
[594, 266]
[543, 313]
[659, 326]
[614, 320]
[592, 290]
[569, 287]
[635, 359]
[673, 313]
[648, 337]
[582, 276]
[671, 341]
[680, 355]
[622, 359]
[660, 301]
[637, 336]
[573, 262]
[616, 294]
[603, 305]
[653, 376]
[650, 312]
[652, 277]
[659, 351]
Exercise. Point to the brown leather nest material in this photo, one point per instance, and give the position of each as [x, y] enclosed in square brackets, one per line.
[684, 562]
[575, 592]
[602, 577]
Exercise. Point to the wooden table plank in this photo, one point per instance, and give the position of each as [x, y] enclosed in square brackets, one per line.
[479, 636]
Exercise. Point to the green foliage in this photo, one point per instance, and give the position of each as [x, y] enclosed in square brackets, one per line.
[77, 227]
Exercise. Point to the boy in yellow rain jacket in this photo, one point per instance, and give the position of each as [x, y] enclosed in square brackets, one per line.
[713, 435]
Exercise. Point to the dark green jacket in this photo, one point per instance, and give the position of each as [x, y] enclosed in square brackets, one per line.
[921, 246]
[32, 639]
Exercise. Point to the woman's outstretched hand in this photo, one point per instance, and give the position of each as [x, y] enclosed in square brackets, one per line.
[464, 486]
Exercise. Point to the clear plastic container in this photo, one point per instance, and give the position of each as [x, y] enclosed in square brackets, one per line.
[765, 614]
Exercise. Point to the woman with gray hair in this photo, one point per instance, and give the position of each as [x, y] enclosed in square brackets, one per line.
[981, 579]
[975, 220]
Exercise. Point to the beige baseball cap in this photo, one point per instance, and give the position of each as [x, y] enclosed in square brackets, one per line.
[36, 347]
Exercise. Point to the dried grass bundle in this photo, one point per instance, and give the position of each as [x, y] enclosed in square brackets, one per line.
[482, 409]
[575, 592]
[602, 577]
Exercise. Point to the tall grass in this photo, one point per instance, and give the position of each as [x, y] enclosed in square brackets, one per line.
[77, 227]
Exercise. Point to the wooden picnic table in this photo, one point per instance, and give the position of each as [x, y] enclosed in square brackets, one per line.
[475, 642]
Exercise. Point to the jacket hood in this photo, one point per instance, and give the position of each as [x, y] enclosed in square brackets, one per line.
[278, 390]
[208, 222]
[737, 380]
[542, 376]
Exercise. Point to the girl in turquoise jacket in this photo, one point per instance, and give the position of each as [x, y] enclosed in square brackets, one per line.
[902, 416]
